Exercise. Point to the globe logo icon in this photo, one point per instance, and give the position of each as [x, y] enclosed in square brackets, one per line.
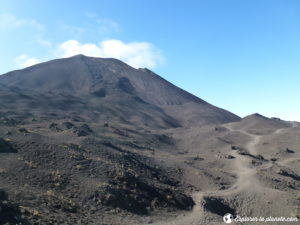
[228, 218]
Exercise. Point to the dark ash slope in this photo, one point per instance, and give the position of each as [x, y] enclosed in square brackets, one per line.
[82, 142]
[106, 89]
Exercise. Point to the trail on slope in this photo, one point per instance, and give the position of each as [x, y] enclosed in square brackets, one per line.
[245, 173]
[246, 178]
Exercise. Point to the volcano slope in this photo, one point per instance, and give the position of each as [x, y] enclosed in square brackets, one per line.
[248, 168]
[94, 141]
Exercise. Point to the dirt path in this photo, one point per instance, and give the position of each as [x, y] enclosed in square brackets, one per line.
[246, 178]
[244, 171]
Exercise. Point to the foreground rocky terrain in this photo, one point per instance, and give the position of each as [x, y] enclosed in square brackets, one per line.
[93, 141]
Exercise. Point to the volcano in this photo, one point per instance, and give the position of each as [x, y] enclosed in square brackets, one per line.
[105, 89]
[87, 140]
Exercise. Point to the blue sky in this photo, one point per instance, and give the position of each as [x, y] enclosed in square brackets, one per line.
[241, 55]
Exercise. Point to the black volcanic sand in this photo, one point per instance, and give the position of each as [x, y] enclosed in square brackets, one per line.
[61, 173]
[93, 141]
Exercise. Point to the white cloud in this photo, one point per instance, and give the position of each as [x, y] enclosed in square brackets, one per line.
[8, 20]
[136, 54]
[23, 61]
